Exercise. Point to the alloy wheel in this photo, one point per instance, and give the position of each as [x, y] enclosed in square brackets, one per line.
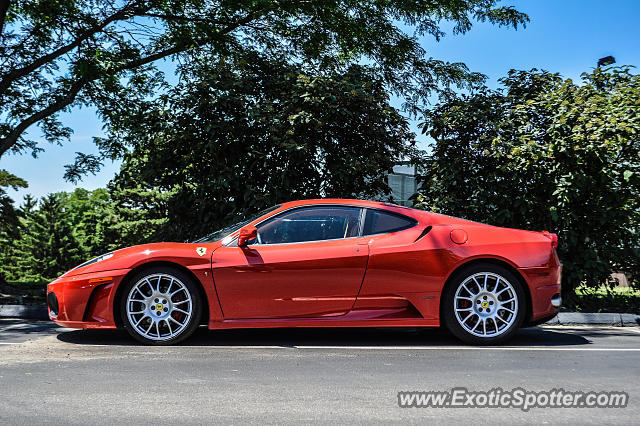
[159, 307]
[486, 304]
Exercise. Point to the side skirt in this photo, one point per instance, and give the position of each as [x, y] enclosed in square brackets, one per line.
[359, 318]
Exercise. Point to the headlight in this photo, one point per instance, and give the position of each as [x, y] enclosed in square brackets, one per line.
[95, 260]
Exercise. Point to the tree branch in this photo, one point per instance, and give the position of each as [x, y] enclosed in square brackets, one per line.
[13, 75]
[62, 102]
[184, 47]
[11, 139]
[170, 17]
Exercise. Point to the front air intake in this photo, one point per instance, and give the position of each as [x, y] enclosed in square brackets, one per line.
[52, 301]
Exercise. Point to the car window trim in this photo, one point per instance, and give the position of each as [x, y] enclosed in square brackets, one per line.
[313, 241]
[363, 212]
[416, 222]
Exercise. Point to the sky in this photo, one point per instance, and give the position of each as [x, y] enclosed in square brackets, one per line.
[564, 36]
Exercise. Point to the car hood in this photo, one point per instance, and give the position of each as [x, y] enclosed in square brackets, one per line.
[130, 257]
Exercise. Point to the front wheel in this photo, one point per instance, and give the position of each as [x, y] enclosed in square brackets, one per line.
[483, 304]
[160, 306]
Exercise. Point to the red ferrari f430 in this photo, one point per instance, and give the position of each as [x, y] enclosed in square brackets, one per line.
[321, 263]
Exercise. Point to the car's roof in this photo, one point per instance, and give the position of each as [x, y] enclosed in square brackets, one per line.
[345, 201]
[355, 202]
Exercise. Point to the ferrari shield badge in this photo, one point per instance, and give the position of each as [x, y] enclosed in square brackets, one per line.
[201, 251]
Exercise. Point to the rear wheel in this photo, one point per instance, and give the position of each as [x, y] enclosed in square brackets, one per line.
[161, 306]
[483, 304]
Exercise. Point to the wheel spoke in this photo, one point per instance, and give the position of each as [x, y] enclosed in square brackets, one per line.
[140, 320]
[468, 291]
[486, 277]
[180, 310]
[158, 328]
[502, 308]
[169, 326]
[496, 286]
[181, 302]
[176, 321]
[149, 329]
[504, 302]
[140, 293]
[495, 323]
[477, 324]
[150, 285]
[502, 291]
[477, 284]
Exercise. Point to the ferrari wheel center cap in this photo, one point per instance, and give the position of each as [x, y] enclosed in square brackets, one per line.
[159, 306]
[485, 304]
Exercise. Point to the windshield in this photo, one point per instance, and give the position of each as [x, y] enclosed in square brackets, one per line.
[221, 233]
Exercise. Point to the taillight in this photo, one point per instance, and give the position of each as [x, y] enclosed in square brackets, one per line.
[553, 237]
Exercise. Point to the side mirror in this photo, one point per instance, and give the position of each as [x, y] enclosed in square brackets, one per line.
[247, 233]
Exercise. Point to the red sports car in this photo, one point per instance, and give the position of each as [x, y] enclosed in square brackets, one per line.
[321, 263]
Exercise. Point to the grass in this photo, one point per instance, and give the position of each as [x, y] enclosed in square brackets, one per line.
[605, 299]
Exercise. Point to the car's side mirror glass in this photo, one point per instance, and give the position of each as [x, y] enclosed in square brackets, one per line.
[246, 234]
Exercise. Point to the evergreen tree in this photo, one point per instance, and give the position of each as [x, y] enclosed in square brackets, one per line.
[47, 246]
[92, 218]
[9, 219]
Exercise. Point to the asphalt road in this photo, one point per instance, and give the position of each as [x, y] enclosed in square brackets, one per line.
[51, 375]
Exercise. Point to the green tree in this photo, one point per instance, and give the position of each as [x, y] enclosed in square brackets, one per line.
[546, 154]
[142, 211]
[47, 246]
[9, 217]
[57, 233]
[93, 220]
[8, 213]
[57, 54]
[237, 136]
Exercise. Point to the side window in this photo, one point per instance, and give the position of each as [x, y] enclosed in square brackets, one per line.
[310, 224]
[382, 222]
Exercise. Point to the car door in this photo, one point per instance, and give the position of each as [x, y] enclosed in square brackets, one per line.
[305, 262]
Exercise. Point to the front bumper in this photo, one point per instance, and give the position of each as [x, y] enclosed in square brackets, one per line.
[85, 300]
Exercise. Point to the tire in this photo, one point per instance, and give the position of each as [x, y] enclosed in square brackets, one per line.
[160, 306]
[483, 304]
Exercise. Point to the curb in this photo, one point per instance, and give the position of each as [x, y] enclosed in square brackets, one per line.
[579, 318]
[36, 312]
